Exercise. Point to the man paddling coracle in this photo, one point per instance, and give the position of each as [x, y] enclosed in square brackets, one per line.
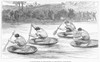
[19, 41]
[81, 36]
[40, 34]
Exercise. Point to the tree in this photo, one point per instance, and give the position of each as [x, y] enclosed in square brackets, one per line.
[16, 16]
[51, 14]
[94, 15]
[36, 3]
[71, 13]
[17, 3]
[20, 4]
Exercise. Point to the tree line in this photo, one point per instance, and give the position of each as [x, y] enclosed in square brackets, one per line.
[46, 14]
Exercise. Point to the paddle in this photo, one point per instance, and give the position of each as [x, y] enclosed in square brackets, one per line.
[58, 27]
[33, 26]
[29, 33]
[8, 40]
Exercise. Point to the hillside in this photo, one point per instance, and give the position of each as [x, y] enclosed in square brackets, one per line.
[54, 7]
[6, 7]
[83, 6]
[76, 5]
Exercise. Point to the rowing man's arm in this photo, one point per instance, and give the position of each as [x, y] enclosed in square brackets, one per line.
[12, 41]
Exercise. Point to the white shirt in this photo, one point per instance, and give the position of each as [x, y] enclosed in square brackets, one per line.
[20, 41]
[42, 33]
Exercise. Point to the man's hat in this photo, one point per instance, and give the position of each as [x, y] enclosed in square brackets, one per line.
[79, 29]
[37, 28]
[16, 35]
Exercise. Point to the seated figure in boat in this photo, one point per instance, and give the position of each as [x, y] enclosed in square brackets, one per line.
[69, 26]
[19, 41]
[69, 29]
[41, 37]
[81, 36]
[40, 34]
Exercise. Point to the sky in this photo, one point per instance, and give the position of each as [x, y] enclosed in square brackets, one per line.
[43, 1]
[7, 2]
